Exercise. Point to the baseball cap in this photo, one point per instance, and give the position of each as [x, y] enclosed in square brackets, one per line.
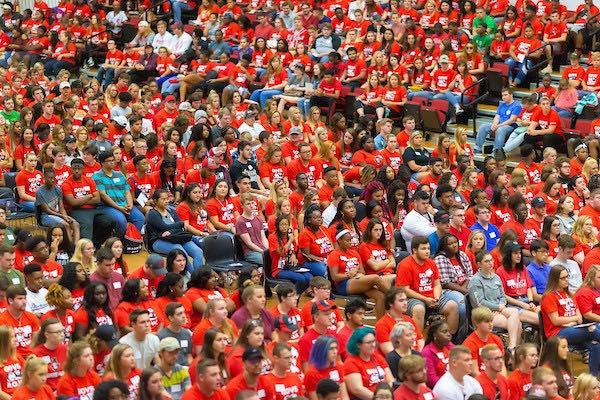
[185, 106]
[157, 264]
[538, 202]
[169, 344]
[249, 113]
[200, 114]
[209, 163]
[512, 246]
[70, 139]
[574, 56]
[322, 305]
[170, 98]
[285, 324]
[444, 59]
[252, 354]
[108, 334]
[228, 14]
[121, 120]
[64, 85]
[441, 217]
[295, 131]
[536, 392]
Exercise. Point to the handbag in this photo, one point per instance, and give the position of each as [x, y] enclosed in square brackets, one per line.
[180, 237]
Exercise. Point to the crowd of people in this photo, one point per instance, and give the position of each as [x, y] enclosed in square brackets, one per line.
[280, 126]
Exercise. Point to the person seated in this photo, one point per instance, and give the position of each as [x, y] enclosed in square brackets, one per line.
[483, 320]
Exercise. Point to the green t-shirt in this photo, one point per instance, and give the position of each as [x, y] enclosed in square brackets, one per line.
[489, 21]
[14, 277]
[482, 43]
[11, 116]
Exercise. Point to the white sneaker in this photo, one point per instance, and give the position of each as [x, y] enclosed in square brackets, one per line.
[458, 109]
[547, 70]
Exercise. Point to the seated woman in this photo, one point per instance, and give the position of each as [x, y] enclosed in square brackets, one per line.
[348, 274]
[283, 248]
[518, 286]
[554, 357]
[436, 351]
[374, 210]
[585, 239]
[456, 272]
[324, 363]
[203, 287]
[166, 231]
[314, 242]
[561, 316]
[416, 156]
[346, 217]
[485, 289]
[376, 253]
[362, 357]
[403, 338]
[588, 295]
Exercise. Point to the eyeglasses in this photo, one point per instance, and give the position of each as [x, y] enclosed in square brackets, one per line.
[564, 277]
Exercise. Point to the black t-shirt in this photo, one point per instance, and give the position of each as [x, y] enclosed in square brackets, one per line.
[420, 157]
[248, 169]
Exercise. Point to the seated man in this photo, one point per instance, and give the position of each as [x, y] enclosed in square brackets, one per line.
[419, 277]
[502, 125]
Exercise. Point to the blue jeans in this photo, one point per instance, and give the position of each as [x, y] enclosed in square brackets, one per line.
[191, 249]
[162, 80]
[512, 64]
[582, 337]
[53, 66]
[27, 206]
[255, 257]
[135, 217]
[563, 112]
[168, 87]
[304, 106]
[177, 7]
[420, 93]
[453, 98]
[515, 139]
[499, 140]
[300, 279]
[52, 220]
[105, 76]
[316, 268]
[459, 298]
[262, 95]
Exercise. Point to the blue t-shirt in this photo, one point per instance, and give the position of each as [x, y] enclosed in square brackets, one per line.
[505, 111]
[492, 235]
[539, 275]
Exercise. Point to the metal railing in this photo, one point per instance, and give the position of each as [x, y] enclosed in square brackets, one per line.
[474, 103]
[540, 64]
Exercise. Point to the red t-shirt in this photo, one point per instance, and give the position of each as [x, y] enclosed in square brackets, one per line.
[372, 372]
[23, 393]
[515, 283]
[559, 302]
[11, 372]
[313, 171]
[319, 243]
[344, 261]
[197, 219]
[378, 253]
[475, 344]
[194, 393]
[588, 300]
[31, 181]
[55, 359]
[78, 386]
[205, 324]
[223, 210]
[442, 79]
[285, 387]
[545, 121]
[418, 277]
[385, 324]
[313, 376]
[492, 389]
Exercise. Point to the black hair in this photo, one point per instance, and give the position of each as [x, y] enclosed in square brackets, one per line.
[164, 286]
[66, 245]
[102, 391]
[69, 277]
[90, 306]
[353, 306]
[284, 290]
[200, 278]
[173, 254]
[131, 290]
[32, 242]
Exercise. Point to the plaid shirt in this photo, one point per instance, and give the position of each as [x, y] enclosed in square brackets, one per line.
[450, 273]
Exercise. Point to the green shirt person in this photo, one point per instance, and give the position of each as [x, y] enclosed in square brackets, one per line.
[482, 17]
[481, 39]
[9, 113]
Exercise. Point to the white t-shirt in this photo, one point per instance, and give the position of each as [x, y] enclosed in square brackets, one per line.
[36, 302]
[575, 277]
[447, 388]
[143, 352]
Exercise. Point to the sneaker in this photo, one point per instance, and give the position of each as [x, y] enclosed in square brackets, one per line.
[90, 62]
[547, 70]
[458, 109]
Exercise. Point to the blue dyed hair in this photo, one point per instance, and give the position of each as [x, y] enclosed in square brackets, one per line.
[318, 353]
[356, 338]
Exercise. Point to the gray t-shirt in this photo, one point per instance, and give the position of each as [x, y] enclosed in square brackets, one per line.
[184, 337]
[51, 197]
[143, 352]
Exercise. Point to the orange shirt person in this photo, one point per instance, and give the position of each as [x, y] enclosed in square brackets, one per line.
[23, 322]
[208, 380]
[482, 336]
[33, 385]
[80, 379]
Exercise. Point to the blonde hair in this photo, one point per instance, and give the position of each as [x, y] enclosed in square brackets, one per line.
[75, 352]
[459, 143]
[472, 236]
[577, 231]
[89, 267]
[587, 167]
[32, 364]
[588, 281]
[465, 178]
[7, 350]
[114, 365]
[324, 149]
[584, 387]
[226, 327]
